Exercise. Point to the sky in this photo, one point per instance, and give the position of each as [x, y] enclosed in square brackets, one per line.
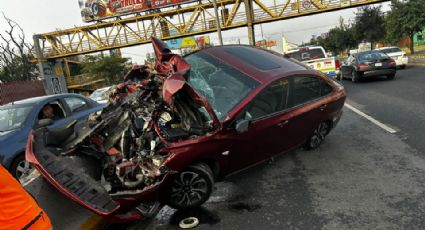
[42, 16]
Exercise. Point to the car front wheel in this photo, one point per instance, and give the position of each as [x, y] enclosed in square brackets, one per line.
[191, 187]
[354, 76]
[390, 76]
[21, 168]
[318, 136]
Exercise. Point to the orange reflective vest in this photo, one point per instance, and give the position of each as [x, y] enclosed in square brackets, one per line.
[18, 210]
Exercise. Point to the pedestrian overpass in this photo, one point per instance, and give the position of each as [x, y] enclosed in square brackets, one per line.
[185, 20]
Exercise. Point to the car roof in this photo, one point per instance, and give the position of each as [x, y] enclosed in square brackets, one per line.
[261, 65]
[388, 47]
[40, 99]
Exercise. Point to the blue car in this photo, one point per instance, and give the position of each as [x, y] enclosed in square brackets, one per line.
[17, 119]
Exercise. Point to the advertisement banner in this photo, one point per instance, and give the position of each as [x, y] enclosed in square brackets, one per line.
[92, 10]
[188, 42]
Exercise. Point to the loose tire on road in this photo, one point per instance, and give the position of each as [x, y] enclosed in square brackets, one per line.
[318, 136]
[191, 187]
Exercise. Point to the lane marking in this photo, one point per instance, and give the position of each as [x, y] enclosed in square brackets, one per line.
[371, 119]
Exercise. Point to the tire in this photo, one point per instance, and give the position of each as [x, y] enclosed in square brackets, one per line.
[20, 167]
[98, 10]
[191, 187]
[390, 76]
[403, 67]
[354, 77]
[318, 136]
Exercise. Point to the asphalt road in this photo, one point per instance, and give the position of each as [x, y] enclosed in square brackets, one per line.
[362, 177]
[399, 103]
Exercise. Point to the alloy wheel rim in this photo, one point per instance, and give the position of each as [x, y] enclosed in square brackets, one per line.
[319, 135]
[189, 188]
[23, 170]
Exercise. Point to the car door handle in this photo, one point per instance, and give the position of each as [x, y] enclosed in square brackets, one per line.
[282, 123]
[323, 107]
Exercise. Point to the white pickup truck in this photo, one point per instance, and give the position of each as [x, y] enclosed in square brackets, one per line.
[316, 58]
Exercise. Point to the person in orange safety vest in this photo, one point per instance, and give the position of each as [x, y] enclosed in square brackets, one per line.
[18, 210]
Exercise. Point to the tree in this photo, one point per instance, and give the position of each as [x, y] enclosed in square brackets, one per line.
[405, 19]
[15, 54]
[369, 24]
[338, 39]
[110, 68]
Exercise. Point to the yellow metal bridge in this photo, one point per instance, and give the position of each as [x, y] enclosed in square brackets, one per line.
[188, 20]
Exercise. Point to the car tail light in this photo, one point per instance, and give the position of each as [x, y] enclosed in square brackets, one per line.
[391, 62]
[304, 49]
[337, 64]
[362, 66]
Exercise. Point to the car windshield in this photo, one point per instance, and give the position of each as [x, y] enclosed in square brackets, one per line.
[307, 54]
[371, 56]
[223, 86]
[100, 94]
[13, 117]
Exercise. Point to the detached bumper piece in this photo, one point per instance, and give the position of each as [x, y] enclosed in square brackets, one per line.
[74, 182]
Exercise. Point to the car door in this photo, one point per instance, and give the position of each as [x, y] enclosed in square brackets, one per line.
[307, 106]
[59, 110]
[264, 136]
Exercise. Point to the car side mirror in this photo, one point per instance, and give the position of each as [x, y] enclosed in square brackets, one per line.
[44, 122]
[242, 125]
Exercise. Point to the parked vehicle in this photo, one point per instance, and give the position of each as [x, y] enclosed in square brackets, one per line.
[168, 134]
[18, 118]
[316, 58]
[368, 64]
[101, 95]
[398, 55]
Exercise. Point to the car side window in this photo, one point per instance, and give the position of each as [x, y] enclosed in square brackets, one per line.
[76, 104]
[270, 100]
[308, 88]
[53, 110]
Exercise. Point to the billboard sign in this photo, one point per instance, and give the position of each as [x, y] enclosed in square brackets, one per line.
[188, 42]
[92, 10]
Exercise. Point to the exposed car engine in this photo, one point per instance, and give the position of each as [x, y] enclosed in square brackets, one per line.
[128, 136]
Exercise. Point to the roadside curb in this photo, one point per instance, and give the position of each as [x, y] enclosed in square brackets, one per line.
[416, 65]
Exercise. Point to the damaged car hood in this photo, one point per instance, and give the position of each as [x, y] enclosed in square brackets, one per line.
[178, 71]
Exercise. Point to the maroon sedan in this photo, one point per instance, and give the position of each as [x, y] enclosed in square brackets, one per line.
[172, 130]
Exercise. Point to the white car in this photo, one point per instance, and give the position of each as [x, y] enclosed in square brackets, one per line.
[397, 54]
[101, 95]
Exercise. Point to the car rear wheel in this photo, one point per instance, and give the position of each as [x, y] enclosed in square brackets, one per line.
[21, 168]
[390, 76]
[318, 136]
[354, 76]
[191, 187]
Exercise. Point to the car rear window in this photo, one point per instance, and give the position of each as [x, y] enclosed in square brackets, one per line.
[371, 56]
[307, 54]
[258, 58]
[391, 50]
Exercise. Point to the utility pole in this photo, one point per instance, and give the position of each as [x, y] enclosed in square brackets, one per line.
[217, 20]
[250, 20]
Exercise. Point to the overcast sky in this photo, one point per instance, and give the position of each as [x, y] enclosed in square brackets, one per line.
[41, 16]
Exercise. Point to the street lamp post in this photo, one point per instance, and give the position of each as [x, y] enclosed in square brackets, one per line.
[220, 38]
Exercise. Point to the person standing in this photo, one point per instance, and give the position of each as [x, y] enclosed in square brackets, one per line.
[18, 210]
